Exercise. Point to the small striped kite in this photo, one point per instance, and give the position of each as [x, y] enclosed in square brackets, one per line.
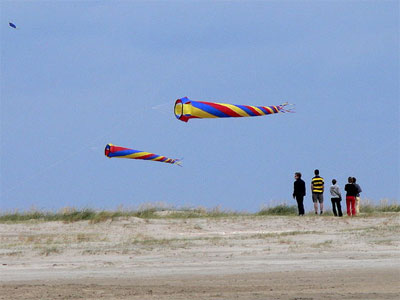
[121, 152]
[186, 109]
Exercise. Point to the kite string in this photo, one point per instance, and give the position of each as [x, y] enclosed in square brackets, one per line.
[164, 108]
[66, 158]
[30, 177]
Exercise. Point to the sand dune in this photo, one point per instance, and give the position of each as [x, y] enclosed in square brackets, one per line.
[205, 258]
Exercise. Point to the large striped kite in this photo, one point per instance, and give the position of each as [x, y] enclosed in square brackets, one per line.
[186, 109]
[116, 151]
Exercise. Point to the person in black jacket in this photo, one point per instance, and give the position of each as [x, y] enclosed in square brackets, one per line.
[299, 192]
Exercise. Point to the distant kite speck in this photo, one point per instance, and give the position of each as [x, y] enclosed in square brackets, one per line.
[12, 25]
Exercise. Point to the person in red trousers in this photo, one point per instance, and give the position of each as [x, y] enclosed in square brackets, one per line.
[351, 193]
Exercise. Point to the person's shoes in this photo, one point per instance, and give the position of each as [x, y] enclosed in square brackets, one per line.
[316, 213]
[321, 212]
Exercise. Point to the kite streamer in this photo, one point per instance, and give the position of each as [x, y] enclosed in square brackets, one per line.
[116, 151]
[186, 109]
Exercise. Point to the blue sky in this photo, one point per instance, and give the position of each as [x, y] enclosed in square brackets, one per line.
[78, 75]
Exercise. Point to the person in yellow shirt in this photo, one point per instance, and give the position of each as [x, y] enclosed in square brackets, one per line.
[317, 189]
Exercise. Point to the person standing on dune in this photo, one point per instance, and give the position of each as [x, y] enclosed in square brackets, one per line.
[359, 190]
[299, 192]
[351, 192]
[336, 197]
[317, 188]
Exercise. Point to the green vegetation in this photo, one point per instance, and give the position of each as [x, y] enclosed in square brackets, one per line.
[386, 242]
[49, 250]
[279, 210]
[325, 244]
[281, 234]
[73, 215]
[68, 215]
[65, 216]
[368, 207]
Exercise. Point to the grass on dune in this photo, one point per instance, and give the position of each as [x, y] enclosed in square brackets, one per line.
[150, 211]
[68, 215]
[279, 210]
[366, 206]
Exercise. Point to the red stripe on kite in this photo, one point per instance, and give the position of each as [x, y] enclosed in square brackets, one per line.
[224, 109]
[145, 156]
[117, 149]
[252, 109]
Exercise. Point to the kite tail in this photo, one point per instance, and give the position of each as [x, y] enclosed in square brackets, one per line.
[178, 162]
[286, 108]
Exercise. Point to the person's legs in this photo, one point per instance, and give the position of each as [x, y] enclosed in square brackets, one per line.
[339, 207]
[357, 205]
[353, 206]
[333, 200]
[348, 205]
[316, 207]
[315, 200]
[300, 204]
[321, 203]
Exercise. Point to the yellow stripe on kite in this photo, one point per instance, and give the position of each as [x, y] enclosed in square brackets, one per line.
[269, 110]
[237, 110]
[199, 113]
[187, 109]
[258, 110]
[135, 155]
[158, 158]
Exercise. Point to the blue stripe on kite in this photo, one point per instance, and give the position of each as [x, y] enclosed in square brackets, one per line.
[164, 159]
[151, 157]
[185, 100]
[264, 110]
[248, 111]
[209, 109]
[123, 152]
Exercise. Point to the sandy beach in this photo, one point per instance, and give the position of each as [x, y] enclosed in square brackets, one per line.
[242, 257]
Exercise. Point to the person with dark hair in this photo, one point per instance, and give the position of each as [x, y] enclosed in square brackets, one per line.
[299, 192]
[351, 192]
[317, 188]
[336, 197]
[359, 190]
